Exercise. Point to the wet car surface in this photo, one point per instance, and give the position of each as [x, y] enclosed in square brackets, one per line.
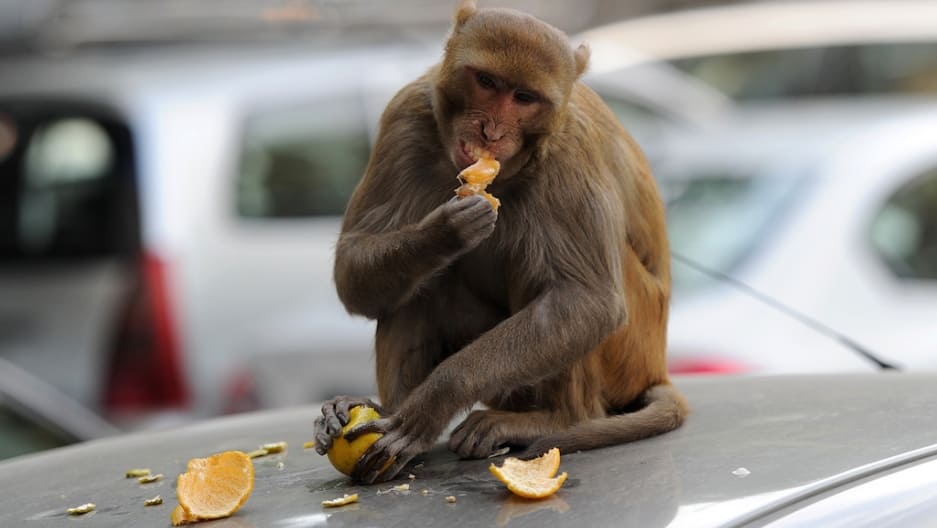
[754, 449]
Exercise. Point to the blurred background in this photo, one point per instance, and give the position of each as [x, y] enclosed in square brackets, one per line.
[173, 174]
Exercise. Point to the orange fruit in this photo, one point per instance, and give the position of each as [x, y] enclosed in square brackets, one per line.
[215, 487]
[531, 479]
[344, 454]
[479, 175]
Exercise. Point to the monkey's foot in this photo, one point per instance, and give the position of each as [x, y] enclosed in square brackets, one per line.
[483, 433]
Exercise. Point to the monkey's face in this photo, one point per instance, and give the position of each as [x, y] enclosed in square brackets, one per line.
[495, 116]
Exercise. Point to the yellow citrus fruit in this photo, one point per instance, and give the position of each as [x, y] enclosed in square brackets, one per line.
[215, 487]
[531, 479]
[344, 454]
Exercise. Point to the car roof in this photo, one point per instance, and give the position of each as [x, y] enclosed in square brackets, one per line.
[240, 70]
[804, 132]
[751, 447]
[764, 25]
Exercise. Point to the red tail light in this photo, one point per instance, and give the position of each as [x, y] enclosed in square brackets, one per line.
[707, 365]
[145, 370]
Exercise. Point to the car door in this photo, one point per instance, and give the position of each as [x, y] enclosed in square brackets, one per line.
[68, 232]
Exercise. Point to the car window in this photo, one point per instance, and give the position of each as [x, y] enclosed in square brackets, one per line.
[20, 435]
[67, 183]
[831, 70]
[302, 162]
[719, 218]
[904, 229]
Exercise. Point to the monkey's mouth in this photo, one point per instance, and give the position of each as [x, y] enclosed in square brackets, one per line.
[468, 154]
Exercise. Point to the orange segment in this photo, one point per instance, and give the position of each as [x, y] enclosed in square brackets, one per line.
[477, 176]
[531, 479]
[344, 454]
[216, 486]
[482, 172]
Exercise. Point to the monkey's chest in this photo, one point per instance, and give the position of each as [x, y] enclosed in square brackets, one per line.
[485, 276]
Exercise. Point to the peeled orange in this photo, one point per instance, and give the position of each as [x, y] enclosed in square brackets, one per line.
[479, 175]
[531, 479]
[344, 454]
[213, 487]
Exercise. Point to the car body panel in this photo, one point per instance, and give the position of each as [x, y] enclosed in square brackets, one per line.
[816, 256]
[796, 437]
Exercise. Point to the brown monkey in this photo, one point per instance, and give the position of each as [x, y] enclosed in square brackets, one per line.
[552, 311]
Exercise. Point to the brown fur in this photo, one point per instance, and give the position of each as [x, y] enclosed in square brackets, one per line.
[552, 312]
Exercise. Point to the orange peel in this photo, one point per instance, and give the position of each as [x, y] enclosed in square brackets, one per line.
[531, 479]
[213, 487]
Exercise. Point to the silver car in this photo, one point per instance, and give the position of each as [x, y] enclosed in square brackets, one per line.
[840, 450]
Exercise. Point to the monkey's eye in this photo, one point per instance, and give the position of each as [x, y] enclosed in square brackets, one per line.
[524, 97]
[485, 80]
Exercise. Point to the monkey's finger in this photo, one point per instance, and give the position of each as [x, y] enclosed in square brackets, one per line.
[323, 438]
[472, 207]
[342, 407]
[333, 425]
[392, 454]
[391, 472]
[382, 426]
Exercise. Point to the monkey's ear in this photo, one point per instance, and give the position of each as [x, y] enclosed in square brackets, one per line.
[582, 54]
[465, 11]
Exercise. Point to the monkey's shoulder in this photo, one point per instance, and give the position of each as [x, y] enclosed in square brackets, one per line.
[411, 106]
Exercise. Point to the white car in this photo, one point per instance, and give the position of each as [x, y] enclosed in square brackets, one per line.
[170, 215]
[796, 225]
[784, 48]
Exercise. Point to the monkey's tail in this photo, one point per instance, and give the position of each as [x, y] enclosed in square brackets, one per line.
[665, 410]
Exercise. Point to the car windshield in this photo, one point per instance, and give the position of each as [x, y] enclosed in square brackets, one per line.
[718, 218]
[906, 67]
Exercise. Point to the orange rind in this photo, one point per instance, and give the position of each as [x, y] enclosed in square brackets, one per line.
[213, 487]
[531, 479]
[179, 517]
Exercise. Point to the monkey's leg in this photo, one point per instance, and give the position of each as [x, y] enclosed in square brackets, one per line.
[526, 415]
[484, 432]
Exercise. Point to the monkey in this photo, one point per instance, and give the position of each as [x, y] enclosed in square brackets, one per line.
[552, 311]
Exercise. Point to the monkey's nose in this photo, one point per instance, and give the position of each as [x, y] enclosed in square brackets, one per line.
[492, 133]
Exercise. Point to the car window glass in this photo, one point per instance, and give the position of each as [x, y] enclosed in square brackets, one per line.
[65, 183]
[718, 219]
[908, 67]
[904, 229]
[302, 162]
[19, 435]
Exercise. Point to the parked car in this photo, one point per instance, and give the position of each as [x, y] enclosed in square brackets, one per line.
[170, 213]
[826, 207]
[759, 50]
[840, 450]
[35, 416]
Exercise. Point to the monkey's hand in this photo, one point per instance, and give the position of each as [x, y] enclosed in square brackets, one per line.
[470, 220]
[403, 439]
[335, 417]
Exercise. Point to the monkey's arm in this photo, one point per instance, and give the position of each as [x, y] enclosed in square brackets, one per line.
[549, 334]
[377, 272]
